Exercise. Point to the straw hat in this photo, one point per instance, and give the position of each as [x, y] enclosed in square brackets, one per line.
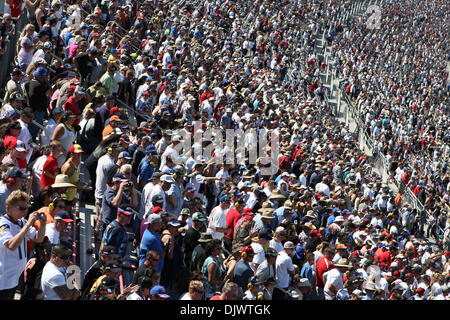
[343, 263]
[205, 237]
[310, 214]
[276, 195]
[266, 206]
[310, 225]
[62, 181]
[267, 214]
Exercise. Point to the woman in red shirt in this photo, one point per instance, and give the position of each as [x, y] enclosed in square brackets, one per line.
[51, 167]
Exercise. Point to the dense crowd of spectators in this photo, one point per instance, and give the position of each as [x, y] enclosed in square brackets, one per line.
[185, 224]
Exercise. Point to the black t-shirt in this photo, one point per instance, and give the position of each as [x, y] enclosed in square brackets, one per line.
[143, 270]
[91, 276]
[38, 100]
[125, 86]
[191, 240]
[84, 64]
[138, 155]
[110, 175]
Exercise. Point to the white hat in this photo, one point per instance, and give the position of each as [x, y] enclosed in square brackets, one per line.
[289, 245]
[285, 174]
[304, 282]
[167, 178]
[279, 229]
[339, 219]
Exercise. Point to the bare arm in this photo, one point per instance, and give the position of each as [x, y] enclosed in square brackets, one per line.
[67, 169]
[58, 133]
[118, 198]
[66, 294]
[212, 274]
[13, 243]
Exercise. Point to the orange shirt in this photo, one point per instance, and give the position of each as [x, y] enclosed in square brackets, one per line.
[50, 217]
[108, 129]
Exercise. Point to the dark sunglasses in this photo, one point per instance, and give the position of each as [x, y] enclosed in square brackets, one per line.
[153, 259]
[65, 257]
[22, 208]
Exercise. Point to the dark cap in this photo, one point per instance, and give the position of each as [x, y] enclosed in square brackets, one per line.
[271, 252]
[125, 209]
[64, 216]
[109, 250]
[145, 282]
[157, 175]
[265, 234]
[158, 198]
[112, 266]
[15, 172]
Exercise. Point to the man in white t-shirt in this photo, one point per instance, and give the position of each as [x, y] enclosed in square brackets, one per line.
[55, 230]
[284, 266]
[264, 237]
[146, 204]
[171, 151]
[217, 224]
[54, 278]
[335, 279]
[14, 233]
[104, 164]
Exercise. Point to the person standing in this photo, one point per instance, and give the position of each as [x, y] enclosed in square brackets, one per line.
[284, 270]
[115, 233]
[51, 167]
[217, 225]
[71, 168]
[335, 279]
[38, 92]
[323, 265]
[14, 233]
[104, 164]
[14, 180]
[242, 271]
[151, 240]
[54, 276]
[212, 269]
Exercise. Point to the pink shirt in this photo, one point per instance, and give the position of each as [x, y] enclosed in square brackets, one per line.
[72, 50]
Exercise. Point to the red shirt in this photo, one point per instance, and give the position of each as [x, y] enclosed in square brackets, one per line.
[378, 254]
[216, 297]
[10, 142]
[323, 265]
[72, 106]
[232, 218]
[385, 260]
[50, 166]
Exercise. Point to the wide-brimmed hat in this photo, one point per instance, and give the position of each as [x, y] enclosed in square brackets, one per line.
[276, 195]
[310, 214]
[267, 214]
[62, 181]
[205, 237]
[369, 285]
[343, 263]
[266, 206]
[310, 225]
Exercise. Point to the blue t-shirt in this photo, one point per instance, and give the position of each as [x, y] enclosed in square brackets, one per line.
[145, 170]
[115, 235]
[109, 212]
[151, 241]
[242, 274]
